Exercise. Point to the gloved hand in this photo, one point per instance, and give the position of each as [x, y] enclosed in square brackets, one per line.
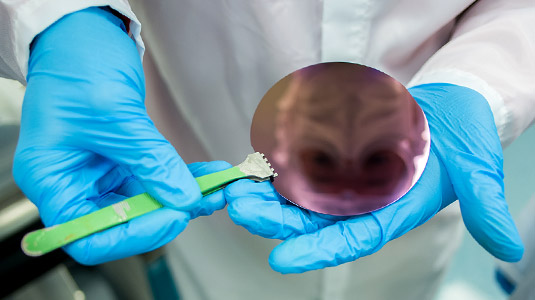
[86, 140]
[465, 163]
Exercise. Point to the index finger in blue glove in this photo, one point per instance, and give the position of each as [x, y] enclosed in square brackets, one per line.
[153, 161]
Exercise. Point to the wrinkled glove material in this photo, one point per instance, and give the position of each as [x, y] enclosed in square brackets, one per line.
[87, 142]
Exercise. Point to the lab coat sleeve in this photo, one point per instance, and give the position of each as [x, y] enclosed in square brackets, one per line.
[492, 50]
[22, 20]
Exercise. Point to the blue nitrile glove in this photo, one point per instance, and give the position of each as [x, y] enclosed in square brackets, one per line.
[465, 163]
[86, 140]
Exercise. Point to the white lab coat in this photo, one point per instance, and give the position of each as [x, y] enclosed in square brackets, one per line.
[214, 59]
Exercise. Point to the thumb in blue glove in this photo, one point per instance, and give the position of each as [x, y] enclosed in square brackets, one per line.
[86, 140]
[465, 162]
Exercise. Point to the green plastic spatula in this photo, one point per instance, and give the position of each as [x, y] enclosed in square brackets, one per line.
[44, 240]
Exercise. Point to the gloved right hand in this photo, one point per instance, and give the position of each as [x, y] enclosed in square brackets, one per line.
[465, 163]
[86, 140]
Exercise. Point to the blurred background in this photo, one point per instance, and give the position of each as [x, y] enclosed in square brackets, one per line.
[470, 276]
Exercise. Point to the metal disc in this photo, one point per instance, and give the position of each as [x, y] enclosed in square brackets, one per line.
[345, 139]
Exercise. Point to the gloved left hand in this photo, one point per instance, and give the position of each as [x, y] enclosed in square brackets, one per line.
[465, 163]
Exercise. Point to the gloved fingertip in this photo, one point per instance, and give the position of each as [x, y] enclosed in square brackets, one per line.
[252, 209]
[284, 269]
[516, 254]
[216, 207]
[263, 218]
[186, 197]
[203, 168]
[240, 213]
[218, 165]
[161, 171]
[280, 262]
[497, 235]
[290, 258]
[210, 204]
[513, 252]
[238, 189]
[237, 206]
[193, 191]
[486, 216]
[218, 202]
[246, 188]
